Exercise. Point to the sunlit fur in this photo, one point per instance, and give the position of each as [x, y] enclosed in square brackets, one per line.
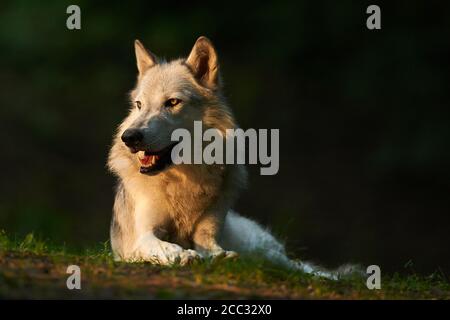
[183, 212]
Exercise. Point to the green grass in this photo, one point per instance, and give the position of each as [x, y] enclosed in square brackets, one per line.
[32, 268]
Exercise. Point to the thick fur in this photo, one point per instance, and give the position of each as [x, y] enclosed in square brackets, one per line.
[183, 212]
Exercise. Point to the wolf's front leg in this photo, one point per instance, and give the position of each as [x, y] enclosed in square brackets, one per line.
[149, 248]
[205, 238]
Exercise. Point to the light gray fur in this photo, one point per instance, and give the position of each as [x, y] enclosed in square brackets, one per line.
[183, 212]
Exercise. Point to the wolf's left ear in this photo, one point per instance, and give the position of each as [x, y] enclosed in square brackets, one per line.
[203, 62]
[144, 58]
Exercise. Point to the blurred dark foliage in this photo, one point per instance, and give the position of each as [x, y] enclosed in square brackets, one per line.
[363, 118]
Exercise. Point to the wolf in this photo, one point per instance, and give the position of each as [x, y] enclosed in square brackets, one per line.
[174, 214]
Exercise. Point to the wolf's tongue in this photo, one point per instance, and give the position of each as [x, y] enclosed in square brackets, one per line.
[146, 160]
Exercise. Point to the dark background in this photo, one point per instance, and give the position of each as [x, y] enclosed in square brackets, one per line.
[363, 118]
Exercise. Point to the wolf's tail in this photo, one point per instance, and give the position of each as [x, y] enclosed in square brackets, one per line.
[246, 236]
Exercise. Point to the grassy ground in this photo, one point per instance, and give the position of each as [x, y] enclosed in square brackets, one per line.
[30, 268]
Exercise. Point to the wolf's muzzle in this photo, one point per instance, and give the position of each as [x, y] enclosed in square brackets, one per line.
[132, 137]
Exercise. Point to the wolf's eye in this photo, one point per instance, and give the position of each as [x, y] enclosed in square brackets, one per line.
[138, 105]
[172, 102]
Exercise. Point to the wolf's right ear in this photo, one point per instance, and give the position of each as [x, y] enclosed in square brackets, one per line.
[144, 58]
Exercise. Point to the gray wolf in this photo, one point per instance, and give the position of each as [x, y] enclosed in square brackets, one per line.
[165, 213]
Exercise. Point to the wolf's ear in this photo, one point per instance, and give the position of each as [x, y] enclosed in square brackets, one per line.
[203, 62]
[144, 58]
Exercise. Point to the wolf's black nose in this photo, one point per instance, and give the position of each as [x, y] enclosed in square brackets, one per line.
[132, 137]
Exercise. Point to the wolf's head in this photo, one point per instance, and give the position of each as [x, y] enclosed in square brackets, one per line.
[168, 96]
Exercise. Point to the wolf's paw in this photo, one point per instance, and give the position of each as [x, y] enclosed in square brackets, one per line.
[164, 253]
[224, 255]
[174, 256]
[188, 256]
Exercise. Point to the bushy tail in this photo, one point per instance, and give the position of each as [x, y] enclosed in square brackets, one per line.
[246, 236]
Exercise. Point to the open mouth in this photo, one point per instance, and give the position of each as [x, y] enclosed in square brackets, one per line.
[153, 162]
